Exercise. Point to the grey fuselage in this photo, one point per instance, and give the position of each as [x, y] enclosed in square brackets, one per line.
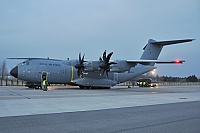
[64, 72]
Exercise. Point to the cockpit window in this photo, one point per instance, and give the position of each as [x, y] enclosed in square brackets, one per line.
[25, 63]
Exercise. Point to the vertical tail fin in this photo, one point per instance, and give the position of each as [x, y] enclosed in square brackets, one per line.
[151, 51]
[153, 48]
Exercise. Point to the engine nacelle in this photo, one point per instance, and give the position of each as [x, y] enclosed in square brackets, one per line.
[91, 66]
[117, 70]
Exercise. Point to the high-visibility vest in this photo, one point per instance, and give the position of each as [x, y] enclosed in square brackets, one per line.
[44, 82]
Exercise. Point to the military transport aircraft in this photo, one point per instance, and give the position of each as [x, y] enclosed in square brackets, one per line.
[101, 73]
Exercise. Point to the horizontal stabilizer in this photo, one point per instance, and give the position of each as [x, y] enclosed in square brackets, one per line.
[146, 62]
[163, 43]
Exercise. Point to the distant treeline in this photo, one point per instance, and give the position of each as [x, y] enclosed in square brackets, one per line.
[192, 78]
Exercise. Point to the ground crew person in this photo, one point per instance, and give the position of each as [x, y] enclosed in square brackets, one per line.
[144, 84]
[140, 84]
[44, 84]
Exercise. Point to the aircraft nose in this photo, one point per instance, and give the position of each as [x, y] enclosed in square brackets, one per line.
[14, 72]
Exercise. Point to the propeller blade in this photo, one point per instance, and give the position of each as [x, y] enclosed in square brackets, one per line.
[82, 59]
[110, 63]
[108, 57]
[104, 55]
[80, 65]
[105, 64]
[107, 73]
[78, 73]
[104, 71]
[79, 57]
[100, 59]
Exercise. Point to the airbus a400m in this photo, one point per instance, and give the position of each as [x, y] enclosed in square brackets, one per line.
[101, 73]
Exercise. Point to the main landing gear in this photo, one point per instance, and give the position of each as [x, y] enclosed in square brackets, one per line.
[92, 87]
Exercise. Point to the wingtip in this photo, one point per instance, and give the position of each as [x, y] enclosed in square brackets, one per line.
[189, 39]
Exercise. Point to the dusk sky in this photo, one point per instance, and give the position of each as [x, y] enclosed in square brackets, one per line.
[62, 28]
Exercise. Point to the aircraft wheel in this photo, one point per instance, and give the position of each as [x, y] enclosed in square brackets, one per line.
[88, 87]
[37, 87]
[81, 87]
[30, 86]
[84, 87]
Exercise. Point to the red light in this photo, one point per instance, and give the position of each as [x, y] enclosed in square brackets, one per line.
[178, 61]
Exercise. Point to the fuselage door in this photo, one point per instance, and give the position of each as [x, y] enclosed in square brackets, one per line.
[44, 76]
[116, 76]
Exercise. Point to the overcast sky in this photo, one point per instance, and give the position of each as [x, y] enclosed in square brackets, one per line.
[63, 28]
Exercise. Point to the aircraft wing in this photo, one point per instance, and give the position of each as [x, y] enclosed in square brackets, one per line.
[156, 61]
[25, 58]
[32, 59]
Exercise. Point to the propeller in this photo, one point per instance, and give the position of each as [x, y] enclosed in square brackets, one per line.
[80, 65]
[105, 64]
